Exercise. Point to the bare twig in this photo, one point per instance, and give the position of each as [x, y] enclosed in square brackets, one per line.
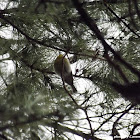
[122, 17]
[105, 121]
[133, 129]
[115, 123]
[89, 122]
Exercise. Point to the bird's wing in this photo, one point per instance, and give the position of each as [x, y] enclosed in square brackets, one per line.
[67, 67]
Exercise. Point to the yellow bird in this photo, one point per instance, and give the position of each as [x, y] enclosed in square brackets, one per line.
[63, 69]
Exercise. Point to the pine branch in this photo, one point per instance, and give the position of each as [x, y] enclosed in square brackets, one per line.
[5, 18]
[50, 124]
[122, 20]
[136, 7]
[92, 25]
[26, 35]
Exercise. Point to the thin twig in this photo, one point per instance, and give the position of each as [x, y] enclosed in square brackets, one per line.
[133, 129]
[105, 121]
[121, 20]
[115, 123]
[87, 117]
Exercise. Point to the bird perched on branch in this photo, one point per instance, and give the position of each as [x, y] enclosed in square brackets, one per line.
[63, 69]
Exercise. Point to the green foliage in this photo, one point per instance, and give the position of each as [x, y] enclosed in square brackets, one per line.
[34, 102]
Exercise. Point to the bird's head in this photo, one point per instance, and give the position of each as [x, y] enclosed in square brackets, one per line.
[60, 56]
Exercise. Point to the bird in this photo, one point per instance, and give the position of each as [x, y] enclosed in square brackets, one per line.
[63, 69]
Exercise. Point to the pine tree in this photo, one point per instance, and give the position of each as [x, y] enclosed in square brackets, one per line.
[101, 40]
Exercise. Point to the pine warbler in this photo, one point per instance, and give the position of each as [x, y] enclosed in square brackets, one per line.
[63, 69]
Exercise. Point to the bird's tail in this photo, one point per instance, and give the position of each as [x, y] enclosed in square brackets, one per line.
[74, 88]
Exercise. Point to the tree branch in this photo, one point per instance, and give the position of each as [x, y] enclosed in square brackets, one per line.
[115, 123]
[92, 25]
[26, 35]
[121, 20]
[133, 129]
[50, 124]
